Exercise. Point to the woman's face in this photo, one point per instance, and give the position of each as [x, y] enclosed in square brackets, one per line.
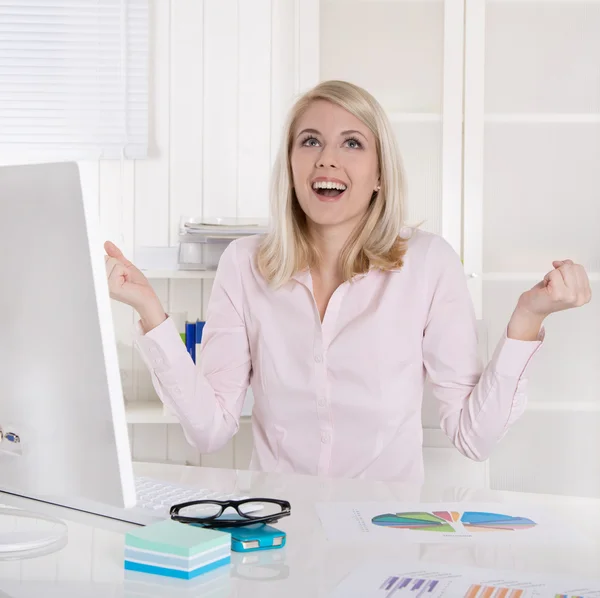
[334, 165]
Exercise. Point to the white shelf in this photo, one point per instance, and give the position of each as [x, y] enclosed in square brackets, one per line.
[162, 262]
[152, 412]
[543, 118]
[148, 412]
[181, 274]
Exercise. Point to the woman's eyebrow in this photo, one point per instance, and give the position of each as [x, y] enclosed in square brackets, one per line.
[353, 132]
[342, 134]
[311, 131]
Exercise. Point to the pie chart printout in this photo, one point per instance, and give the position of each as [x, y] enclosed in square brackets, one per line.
[445, 521]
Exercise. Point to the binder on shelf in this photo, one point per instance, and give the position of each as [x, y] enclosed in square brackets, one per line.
[190, 339]
[199, 330]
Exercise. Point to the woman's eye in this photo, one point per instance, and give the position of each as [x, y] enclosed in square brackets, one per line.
[353, 143]
[311, 142]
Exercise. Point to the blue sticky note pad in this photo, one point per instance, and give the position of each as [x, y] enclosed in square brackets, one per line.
[176, 550]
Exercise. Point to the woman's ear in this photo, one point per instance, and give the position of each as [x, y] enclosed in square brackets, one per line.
[378, 186]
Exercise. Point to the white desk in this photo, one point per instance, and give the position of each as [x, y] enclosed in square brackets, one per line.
[91, 565]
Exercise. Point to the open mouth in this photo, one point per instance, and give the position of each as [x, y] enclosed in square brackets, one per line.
[328, 189]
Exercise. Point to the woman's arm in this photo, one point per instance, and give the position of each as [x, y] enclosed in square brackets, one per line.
[476, 405]
[207, 398]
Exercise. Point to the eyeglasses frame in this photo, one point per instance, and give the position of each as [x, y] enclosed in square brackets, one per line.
[212, 521]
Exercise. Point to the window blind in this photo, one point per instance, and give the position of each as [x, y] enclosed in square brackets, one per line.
[74, 78]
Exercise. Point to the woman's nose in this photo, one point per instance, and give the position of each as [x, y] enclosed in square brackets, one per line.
[327, 158]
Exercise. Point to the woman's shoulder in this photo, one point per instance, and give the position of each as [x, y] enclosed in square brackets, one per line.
[247, 247]
[429, 254]
[241, 252]
[425, 243]
[249, 242]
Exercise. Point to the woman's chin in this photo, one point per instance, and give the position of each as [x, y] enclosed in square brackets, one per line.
[320, 219]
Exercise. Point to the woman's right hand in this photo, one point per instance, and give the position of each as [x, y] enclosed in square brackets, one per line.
[127, 284]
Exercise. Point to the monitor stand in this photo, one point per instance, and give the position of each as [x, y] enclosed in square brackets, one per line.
[25, 534]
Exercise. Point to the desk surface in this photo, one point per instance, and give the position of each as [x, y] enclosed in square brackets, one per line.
[92, 562]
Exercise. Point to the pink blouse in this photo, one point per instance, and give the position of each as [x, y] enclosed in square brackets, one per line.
[342, 397]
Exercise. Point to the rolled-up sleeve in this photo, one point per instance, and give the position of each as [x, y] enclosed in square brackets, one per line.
[476, 404]
[206, 397]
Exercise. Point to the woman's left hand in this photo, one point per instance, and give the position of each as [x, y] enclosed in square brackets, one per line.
[564, 287]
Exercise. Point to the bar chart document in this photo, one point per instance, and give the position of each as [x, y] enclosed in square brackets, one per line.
[426, 580]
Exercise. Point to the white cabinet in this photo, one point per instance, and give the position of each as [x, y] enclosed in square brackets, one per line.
[496, 105]
[532, 195]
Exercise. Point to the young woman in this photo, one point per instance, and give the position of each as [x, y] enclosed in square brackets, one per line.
[336, 316]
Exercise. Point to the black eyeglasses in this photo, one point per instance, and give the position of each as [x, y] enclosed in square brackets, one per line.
[248, 511]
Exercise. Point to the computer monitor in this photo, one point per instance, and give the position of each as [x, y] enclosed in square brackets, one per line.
[60, 387]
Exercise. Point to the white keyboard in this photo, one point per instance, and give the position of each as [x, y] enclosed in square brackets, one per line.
[155, 498]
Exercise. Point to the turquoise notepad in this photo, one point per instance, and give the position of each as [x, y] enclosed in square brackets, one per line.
[171, 537]
[175, 573]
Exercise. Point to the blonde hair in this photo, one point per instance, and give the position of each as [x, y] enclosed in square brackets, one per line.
[375, 242]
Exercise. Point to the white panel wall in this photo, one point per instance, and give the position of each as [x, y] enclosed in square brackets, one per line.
[223, 74]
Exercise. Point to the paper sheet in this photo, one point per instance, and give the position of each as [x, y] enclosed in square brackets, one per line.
[442, 523]
[425, 580]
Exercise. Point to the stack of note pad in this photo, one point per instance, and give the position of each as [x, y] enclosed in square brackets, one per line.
[176, 549]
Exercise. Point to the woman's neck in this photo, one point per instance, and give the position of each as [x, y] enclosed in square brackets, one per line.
[329, 242]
